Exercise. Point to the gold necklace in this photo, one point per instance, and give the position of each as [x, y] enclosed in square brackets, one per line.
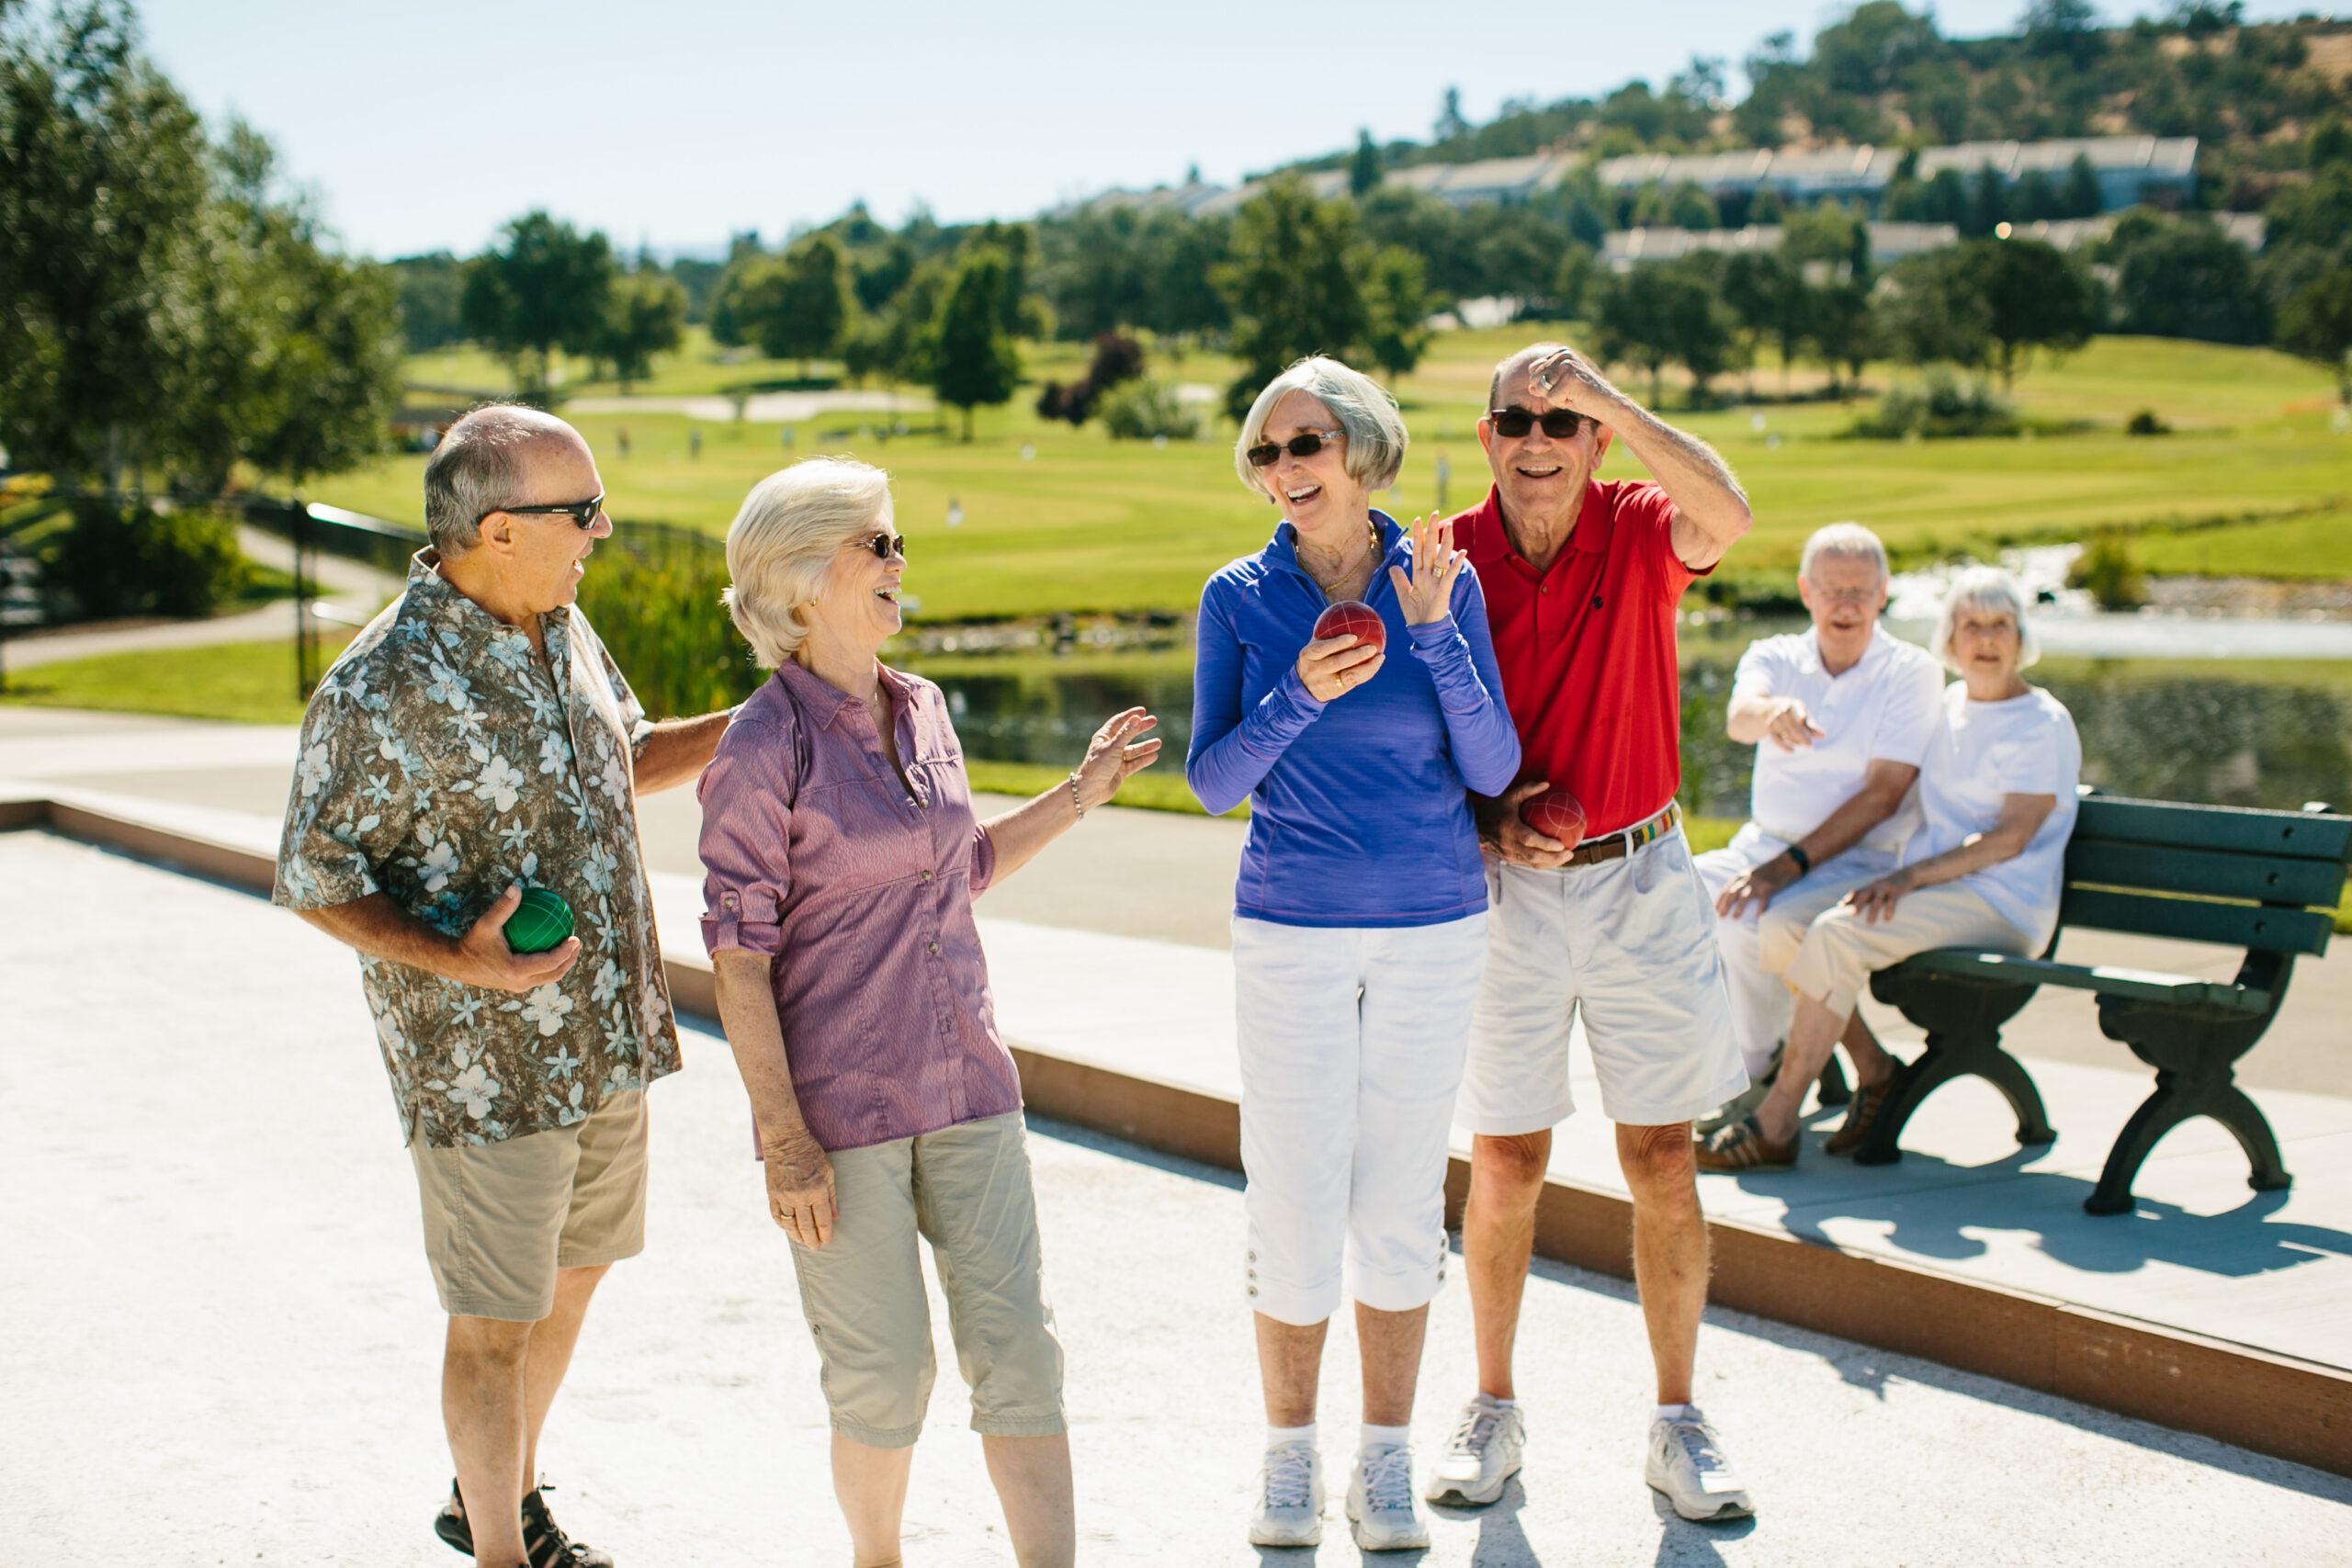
[1372, 555]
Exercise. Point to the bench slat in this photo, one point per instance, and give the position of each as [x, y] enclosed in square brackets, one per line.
[2145, 984]
[2231, 925]
[2265, 878]
[2302, 835]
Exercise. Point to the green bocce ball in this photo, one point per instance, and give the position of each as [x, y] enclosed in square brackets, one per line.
[540, 921]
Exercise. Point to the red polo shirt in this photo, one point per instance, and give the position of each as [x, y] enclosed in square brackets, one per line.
[1587, 648]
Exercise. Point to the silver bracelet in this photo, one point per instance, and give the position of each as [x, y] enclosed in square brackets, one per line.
[1075, 802]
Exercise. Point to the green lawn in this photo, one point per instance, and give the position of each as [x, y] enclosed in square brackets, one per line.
[250, 683]
[2253, 480]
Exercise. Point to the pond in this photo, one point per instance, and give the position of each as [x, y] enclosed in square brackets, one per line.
[2238, 732]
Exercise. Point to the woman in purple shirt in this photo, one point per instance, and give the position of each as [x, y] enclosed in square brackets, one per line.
[841, 858]
[1360, 919]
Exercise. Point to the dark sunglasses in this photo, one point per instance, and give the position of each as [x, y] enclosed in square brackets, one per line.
[583, 513]
[1559, 424]
[885, 546]
[1303, 444]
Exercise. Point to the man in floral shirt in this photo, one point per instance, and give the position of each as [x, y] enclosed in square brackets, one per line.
[476, 740]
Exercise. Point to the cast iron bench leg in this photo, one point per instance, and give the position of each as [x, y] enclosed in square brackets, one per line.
[2178, 1099]
[1947, 1058]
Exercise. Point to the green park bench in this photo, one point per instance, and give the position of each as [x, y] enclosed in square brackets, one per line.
[2265, 881]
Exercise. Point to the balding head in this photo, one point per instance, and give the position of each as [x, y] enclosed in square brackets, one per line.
[1514, 368]
[485, 462]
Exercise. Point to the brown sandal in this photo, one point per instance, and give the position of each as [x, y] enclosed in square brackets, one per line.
[1860, 1112]
[1743, 1146]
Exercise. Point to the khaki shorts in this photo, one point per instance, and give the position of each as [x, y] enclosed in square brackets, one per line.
[967, 1189]
[1832, 956]
[500, 1219]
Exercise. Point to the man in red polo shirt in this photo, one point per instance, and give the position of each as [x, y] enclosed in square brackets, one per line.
[1582, 578]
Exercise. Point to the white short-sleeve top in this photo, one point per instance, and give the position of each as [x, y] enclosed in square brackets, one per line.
[2025, 745]
[1885, 707]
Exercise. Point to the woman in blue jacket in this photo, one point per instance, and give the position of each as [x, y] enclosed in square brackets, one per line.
[1360, 919]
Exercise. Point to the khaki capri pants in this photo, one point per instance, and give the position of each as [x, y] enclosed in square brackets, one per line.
[967, 1189]
[1833, 956]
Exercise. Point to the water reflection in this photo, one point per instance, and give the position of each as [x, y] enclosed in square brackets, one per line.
[2275, 733]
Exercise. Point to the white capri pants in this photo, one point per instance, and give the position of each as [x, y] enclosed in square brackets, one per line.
[1351, 1043]
[1830, 958]
[1761, 1003]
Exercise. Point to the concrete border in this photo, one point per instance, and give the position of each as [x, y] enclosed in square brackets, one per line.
[2271, 1403]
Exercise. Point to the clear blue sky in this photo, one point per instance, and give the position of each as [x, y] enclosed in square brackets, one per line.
[425, 125]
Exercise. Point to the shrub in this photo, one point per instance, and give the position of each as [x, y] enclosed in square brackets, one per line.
[2110, 572]
[1942, 406]
[2146, 422]
[1118, 360]
[127, 558]
[660, 615]
[1144, 409]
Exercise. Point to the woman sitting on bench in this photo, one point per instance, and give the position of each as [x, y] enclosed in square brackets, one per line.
[1997, 791]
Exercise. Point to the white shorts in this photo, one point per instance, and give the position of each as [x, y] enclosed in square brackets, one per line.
[1351, 1043]
[1631, 944]
[1761, 1002]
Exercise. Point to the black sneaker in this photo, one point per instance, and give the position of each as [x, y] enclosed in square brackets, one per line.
[542, 1536]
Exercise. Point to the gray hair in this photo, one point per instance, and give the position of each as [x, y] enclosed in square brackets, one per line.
[1843, 541]
[478, 468]
[1984, 588]
[1367, 416]
[783, 542]
[1516, 359]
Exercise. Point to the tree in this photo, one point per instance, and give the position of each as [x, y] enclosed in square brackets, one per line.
[2315, 323]
[2082, 197]
[1449, 123]
[1933, 310]
[2035, 297]
[105, 178]
[973, 360]
[2316, 212]
[429, 290]
[544, 287]
[802, 314]
[2183, 277]
[1572, 280]
[1363, 169]
[646, 316]
[1843, 329]
[1291, 284]
[1181, 298]
[1396, 302]
[1666, 313]
[2065, 29]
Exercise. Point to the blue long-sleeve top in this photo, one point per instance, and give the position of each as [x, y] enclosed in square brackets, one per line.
[1357, 815]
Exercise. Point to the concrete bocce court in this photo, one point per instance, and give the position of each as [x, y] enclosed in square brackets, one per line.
[218, 1339]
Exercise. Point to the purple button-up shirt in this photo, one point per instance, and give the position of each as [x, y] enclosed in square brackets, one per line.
[860, 886]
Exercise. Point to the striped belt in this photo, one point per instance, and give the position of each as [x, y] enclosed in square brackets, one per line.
[1617, 846]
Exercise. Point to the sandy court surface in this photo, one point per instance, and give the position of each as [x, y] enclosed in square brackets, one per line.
[222, 1345]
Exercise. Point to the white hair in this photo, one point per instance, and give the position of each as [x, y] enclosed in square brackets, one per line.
[1367, 416]
[1984, 588]
[783, 541]
[1843, 541]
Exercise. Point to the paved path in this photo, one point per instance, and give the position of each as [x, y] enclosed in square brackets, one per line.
[355, 590]
[221, 1344]
[775, 408]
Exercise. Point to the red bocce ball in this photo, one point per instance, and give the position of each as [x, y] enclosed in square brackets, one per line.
[1555, 814]
[1356, 618]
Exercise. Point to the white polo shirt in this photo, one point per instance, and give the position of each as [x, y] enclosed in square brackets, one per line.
[1886, 707]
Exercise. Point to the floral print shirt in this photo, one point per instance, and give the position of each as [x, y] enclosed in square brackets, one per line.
[442, 761]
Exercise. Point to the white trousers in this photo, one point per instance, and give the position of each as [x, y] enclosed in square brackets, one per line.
[1351, 1043]
[1761, 1002]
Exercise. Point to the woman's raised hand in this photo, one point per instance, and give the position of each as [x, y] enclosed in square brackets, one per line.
[1426, 595]
[1116, 755]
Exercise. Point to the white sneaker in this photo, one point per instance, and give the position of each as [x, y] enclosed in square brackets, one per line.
[1380, 1502]
[1686, 1462]
[1485, 1450]
[1290, 1498]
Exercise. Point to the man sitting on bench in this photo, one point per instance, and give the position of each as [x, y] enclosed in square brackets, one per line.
[1998, 795]
[1840, 716]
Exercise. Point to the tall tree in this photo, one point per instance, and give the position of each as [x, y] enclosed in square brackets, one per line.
[1666, 313]
[543, 287]
[1363, 168]
[1933, 310]
[975, 362]
[804, 312]
[2183, 277]
[104, 179]
[646, 315]
[429, 289]
[2036, 297]
[1291, 284]
[2315, 323]
[1398, 305]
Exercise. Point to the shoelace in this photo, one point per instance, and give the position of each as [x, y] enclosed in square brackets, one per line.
[1476, 1429]
[1699, 1443]
[1388, 1480]
[1290, 1477]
